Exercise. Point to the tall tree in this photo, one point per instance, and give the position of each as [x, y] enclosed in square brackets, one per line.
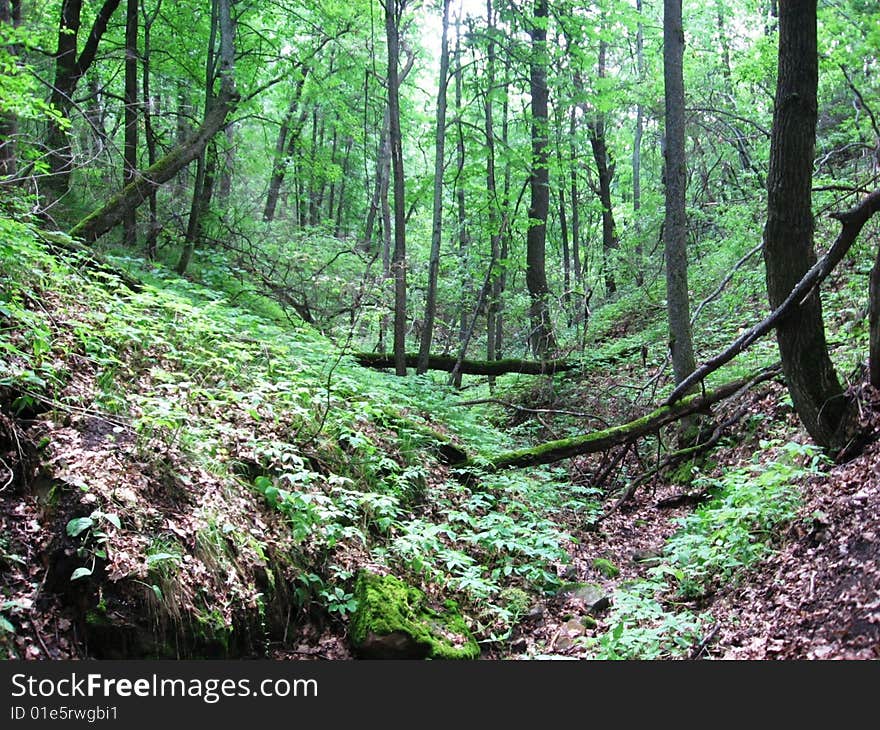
[393, 12]
[675, 226]
[437, 211]
[788, 234]
[204, 182]
[541, 337]
[605, 173]
[288, 136]
[130, 151]
[637, 147]
[149, 130]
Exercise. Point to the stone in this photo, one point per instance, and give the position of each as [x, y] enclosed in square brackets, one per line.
[594, 597]
[394, 620]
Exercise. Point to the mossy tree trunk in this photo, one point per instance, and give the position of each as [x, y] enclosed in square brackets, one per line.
[626, 433]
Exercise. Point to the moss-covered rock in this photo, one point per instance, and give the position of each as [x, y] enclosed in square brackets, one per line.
[606, 567]
[395, 621]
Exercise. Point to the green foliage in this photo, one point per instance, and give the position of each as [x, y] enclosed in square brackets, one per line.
[94, 533]
[737, 527]
[713, 545]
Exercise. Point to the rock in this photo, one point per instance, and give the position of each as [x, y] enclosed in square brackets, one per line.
[594, 597]
[395, 621]
[647, 557]
[606, 567]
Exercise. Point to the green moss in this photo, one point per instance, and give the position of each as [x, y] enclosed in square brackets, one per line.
[388, 607]
[606, 567]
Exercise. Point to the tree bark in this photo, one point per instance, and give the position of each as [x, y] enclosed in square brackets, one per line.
[675, 226]
[69, 69]
[393, 12]
[852, 222]
[10, 14]
[437, 210]
[605, 173]
[285, 145]
[541, 337]
[129, 220]
[637, 150]
[149, 132]
[788, 234]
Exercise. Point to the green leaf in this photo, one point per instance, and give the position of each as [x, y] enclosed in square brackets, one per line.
[79, 525]
[161, 557]
[113, 520]
[158, 592]
[80, 573]
[5, 625]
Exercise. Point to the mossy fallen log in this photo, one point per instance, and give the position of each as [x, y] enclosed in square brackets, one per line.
[447, 363]
[552, 451]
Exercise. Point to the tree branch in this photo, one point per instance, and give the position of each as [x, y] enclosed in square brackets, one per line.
[852, 222]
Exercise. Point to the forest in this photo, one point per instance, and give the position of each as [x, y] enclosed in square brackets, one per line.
[439, 329]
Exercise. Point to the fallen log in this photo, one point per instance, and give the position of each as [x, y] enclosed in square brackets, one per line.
[598, 441]
[468, 367]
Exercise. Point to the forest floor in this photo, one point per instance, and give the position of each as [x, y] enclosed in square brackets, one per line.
[816, 596]
[132, 516]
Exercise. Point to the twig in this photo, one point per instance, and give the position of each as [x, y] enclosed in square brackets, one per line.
[703, 645]
[523, 409]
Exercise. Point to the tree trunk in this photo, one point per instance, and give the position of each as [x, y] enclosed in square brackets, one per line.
[10, 14]
[563, 221]
[541, 336]
[149, 132]
[605, 173]
[626, 433]
[129, 220]
[198, 204]
[675, 226]
[437, 211]
[874, 323]
[469, 367]
[339, 227]
[69, 69]
[492, 192]
[788, 235]
[393, 12]
[461, 211]
[109, 215]
[288, 135]
[637, 151]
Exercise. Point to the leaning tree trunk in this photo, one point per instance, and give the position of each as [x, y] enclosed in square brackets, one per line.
[109, 215]
[675, 227]
[788, 235]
